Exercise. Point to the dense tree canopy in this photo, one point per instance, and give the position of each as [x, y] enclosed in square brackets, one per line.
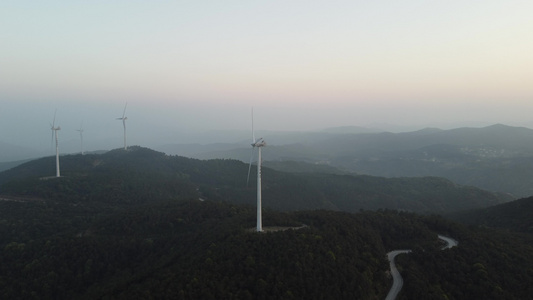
[139, 224]
[140, 173]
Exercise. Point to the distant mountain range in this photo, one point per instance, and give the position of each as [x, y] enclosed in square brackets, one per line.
[11, 153]
[496, 158]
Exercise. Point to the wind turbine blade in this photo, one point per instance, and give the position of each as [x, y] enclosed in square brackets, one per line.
[124, 114]
[253, 133]
[53, 126]
[250, 167]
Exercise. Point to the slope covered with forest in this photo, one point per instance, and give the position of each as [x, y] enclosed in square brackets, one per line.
[514, 216]
[191, 249]
[139, 174]
[487, 264]
[140, 224]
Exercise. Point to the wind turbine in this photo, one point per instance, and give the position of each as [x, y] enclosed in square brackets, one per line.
[259, 143]
[81, 136]
[54, 132]
[124, 118]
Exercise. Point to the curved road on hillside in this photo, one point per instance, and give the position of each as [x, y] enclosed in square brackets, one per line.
[397, 280]
[450, 243]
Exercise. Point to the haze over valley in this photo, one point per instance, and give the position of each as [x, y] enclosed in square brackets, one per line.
[497, 158]
[189, 68]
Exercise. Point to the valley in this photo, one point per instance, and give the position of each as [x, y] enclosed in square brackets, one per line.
[497, 158]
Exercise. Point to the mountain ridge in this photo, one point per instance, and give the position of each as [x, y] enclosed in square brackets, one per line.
[468, 155]
[225, 180]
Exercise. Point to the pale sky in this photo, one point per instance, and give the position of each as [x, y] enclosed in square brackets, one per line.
[198, 65]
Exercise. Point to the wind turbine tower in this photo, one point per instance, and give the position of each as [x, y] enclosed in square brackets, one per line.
[54, 132]
[124, 118]
[81, 136]
[259, 143]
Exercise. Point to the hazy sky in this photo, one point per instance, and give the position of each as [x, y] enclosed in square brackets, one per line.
[198, 65]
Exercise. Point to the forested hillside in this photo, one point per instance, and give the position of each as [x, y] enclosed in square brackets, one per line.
[188, 249]
[184, 248]
[139, 224]
[140, 174]
[487, 264]
[514, 216]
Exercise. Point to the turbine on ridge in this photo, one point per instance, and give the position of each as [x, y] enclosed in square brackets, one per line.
[81, 136]
[54, 132]
[259, 143]
[124, 118]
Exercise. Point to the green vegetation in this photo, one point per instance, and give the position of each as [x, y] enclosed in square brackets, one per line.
[130, 225]
[487, 264]
[513, 216]
[119, 175]
[191, 249]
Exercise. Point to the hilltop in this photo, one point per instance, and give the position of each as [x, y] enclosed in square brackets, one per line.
[147, 175]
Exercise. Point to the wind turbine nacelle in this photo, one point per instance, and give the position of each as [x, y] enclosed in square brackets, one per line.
[259, 143]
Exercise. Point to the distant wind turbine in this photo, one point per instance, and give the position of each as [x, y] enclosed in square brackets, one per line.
[54, 132]
[81, 136]
[259, 143]
[124, 118]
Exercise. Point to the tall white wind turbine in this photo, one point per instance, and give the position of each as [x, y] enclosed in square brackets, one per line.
[54, 132]
[259, 143]
[124, 118]
[81, 136]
